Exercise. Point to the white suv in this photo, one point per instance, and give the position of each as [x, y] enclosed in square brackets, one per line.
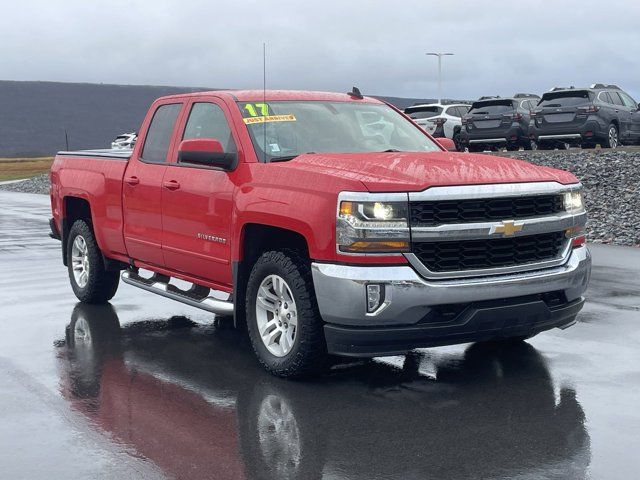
[437, 119]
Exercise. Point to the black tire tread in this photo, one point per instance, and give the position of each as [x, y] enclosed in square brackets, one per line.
[310, 355]
[102, 284]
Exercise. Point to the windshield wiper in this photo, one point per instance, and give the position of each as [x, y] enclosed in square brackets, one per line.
[391, 150]
[286, 158]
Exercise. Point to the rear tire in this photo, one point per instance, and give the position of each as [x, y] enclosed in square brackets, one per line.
[456, 141]
[283, 319]
[613, 137]
[90, 281]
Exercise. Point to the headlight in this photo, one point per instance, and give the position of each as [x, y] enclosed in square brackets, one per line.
[573, 201]
[372, 227]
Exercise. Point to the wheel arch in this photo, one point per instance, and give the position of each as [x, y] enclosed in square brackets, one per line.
[73, 208]
[254, 240]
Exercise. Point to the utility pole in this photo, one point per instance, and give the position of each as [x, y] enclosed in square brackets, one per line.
[439, 55]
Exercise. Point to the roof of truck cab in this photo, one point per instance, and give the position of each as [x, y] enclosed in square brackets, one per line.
[280, 95]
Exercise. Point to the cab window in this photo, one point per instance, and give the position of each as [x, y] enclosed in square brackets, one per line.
[207, 120]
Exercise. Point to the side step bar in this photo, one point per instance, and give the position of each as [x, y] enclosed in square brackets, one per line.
[197, 296]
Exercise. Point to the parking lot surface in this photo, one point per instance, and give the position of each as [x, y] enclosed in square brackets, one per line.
[148, 388]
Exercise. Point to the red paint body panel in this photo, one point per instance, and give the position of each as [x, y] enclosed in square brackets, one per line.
[159, 227]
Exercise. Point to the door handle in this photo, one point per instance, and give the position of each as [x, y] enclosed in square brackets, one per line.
[171, 185]
[132, 180]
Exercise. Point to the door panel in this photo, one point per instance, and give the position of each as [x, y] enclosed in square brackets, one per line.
[142, 211]
[142, 188]
[196, 223]
[196, 216]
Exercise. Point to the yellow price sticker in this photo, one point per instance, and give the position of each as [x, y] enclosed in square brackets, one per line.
[270, 118]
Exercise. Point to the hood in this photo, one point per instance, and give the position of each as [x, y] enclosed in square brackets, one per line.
[410, 171]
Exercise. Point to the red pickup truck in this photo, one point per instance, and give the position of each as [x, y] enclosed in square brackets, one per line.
[326, 224]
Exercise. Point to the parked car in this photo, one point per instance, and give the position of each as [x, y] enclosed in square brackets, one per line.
[601, 114]
[126, 140]
[438, 119]
[494, 122]
[322, 236]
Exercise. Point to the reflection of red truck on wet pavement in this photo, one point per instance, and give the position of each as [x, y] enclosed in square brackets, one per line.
[192, 401]
[325, 223]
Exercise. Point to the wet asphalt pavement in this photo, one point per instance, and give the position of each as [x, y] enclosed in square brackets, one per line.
[149, 388]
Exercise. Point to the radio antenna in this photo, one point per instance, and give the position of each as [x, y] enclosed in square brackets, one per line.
[265, 111]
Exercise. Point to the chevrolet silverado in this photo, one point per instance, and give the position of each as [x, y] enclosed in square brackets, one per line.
[325, 224]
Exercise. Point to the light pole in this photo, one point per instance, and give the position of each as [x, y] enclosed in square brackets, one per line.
[439, 55]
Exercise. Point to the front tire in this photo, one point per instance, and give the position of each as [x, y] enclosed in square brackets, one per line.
[283, 320]
[90, 281]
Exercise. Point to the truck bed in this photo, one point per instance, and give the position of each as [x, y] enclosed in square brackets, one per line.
[95, 176]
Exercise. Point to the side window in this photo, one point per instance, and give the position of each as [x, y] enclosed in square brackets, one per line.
[453, 111]
[605, 97]
[158, 139]
[207, 120]
[616, 98]
[628, 101]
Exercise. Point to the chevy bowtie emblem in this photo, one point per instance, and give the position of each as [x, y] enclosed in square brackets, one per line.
[507, 228]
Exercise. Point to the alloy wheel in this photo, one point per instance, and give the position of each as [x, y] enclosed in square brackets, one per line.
[613, 137]
[80, 261]
[276, 315]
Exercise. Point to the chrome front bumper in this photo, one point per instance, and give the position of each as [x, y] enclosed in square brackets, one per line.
[340, 290]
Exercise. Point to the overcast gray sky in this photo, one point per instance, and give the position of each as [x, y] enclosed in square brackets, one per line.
[500, 46]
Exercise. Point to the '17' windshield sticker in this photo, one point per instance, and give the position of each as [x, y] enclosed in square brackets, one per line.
[270, 118]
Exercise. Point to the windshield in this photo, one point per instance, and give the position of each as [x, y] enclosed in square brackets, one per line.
[491, 108]
[418, 113]
[564, 99]
[291, 128]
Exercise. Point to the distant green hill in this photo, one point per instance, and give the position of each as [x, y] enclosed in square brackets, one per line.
[35, 114]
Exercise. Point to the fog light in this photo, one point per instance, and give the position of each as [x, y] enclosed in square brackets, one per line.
[375, 297]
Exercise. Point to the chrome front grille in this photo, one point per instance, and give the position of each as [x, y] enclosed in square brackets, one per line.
[484, 230]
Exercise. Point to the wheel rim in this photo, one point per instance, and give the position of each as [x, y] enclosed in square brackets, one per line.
[81, 333]
[276, 315]
[80, 261]
[279, 436]
[613, 137]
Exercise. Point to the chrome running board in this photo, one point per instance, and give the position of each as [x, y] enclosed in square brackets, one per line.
[197, 296]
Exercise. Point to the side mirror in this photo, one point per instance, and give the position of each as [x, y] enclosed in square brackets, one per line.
[207, 152]
[447, 144]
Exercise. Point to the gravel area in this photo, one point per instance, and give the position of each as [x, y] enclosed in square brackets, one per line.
[39, 184]
[611, 180]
